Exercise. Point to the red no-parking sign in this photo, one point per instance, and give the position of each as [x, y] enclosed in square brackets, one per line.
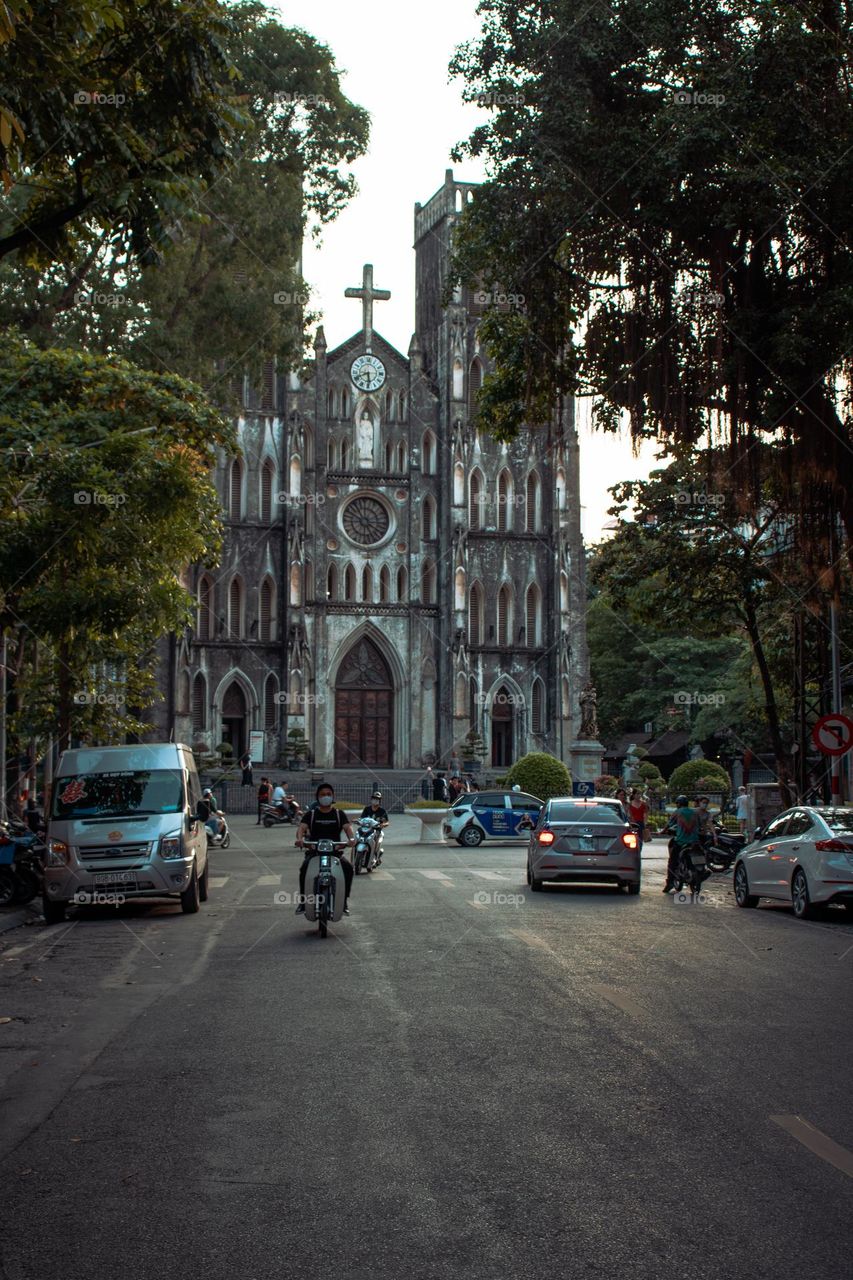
[833, 735]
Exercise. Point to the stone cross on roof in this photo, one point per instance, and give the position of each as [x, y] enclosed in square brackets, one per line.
[368, 295]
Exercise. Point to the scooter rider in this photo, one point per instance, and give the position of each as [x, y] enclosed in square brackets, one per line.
[324, 823]
[214, 823]
[375, 810]
[283, 802]
[686, 827]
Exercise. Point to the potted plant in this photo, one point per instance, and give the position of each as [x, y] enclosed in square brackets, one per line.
[432, 814]
[472, 751]
[297, 747]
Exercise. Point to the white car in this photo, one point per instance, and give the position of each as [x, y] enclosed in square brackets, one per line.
[804, 857]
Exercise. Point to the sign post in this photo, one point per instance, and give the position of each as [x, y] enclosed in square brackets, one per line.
[833, 737]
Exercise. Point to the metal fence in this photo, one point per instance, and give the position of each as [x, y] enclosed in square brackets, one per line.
[233, 797]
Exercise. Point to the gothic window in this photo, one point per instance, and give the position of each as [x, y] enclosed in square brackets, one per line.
[309, 580]
[384, 585]
[537, 707]
[295, 585]
[367, 584]
[389, 456]
[332, 455]
[460, 699]
[331, 403]
[475, 381]
[389, 407]
[184, 693]
[267, 605]
[428, 582]
[365, 520]
[457, 203]
[309, 447]
[459, 589]
[475, 501]
[504, 616]
[345, 402]
[428, 519]
[458, 485]
[534, 515]
[402, 585]
[199, 703]
[475, 615]
[428, 454]
[564, 593]
[458, 380]
[267, 485]
[295, 476]
[561, 490]
[270, 702]
[235, 607]
[504, 502]
[204, 624]
[332, 583]
[344, 455]
[296, 700]
[401, 458]
[402, 406]
[349, 583]
[235, 493]
[564, 698]
[533, 616]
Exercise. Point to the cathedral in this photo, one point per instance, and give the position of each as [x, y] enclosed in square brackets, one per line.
[391, 579]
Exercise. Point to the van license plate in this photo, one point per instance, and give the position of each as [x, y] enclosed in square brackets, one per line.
[114, 877]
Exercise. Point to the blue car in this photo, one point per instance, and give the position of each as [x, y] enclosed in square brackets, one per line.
[491, 815]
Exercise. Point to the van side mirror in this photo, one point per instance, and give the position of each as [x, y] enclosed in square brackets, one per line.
[758, 833]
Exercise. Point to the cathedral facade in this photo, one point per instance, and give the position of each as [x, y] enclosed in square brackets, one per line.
[391, 579]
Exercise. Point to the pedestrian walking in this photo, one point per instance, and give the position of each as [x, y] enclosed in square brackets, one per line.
[246, 766]
[742, 809]
[439, 787]
[638, 812]
[264, 793]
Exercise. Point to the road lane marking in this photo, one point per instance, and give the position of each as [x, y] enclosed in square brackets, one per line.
[267, 880]
[430, 874]
[619, 999]
[817, 1142]
[381, 874]
[532, 940]
[219, 882]
[488, 875]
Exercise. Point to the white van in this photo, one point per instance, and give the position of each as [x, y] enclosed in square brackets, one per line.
[125, 822]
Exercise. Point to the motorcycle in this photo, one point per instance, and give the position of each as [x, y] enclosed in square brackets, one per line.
[368, 845]
[222, 839]
[21, 864]
[325, 902]
[272, 815]
[723, 847]
[691, 868]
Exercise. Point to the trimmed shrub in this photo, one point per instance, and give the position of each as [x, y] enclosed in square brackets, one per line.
[428, 804]
[541, 775]
[699, 775]
[606, 784]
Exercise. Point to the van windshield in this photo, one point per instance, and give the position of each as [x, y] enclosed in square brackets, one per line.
[118, 795]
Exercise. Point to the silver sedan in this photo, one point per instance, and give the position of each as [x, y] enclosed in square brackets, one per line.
[803, 857]
[585, 842]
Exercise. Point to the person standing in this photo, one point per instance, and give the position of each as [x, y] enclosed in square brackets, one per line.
[455, 765]
[264, 794]
[742, 809]
[246, 766]
[638, 812]
[426, 783]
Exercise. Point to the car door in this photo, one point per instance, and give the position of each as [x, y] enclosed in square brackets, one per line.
[525, 809]
[491, 811]
[798, 841]
[762, 857]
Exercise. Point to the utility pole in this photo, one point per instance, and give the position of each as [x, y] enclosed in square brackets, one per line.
[4, 813]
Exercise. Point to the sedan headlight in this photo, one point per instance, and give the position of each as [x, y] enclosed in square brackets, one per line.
[171, 847]
[57, 853]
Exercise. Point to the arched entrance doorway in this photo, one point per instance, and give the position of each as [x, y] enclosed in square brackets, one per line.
[364, 709]
[234, 719]
[502, 718]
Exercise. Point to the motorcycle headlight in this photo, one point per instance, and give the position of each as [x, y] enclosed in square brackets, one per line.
[57, 853]
[170, 847]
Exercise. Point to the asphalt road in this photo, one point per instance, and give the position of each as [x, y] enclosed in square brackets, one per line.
[465, 1079]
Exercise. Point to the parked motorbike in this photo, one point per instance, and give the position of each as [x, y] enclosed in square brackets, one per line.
[324, 901]
[368, 845]
[691, 868]
[274, 816]
[723, 847]
[21, 863]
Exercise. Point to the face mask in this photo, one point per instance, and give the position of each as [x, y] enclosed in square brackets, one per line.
[325, 801]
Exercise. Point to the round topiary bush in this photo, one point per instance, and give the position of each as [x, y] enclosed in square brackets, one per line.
[699, 775]
[606, 784]
[540, 775]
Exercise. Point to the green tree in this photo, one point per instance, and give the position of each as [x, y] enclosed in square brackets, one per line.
[541, 775]
[668, 195]
[105, 497]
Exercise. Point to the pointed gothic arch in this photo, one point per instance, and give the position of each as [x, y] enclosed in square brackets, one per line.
[475, 382]
[476, 597]
[236, 606]
[533, 616]
[366, 678]
[504, 616]
[266, 609]
[428, 453]
[533, 495]
[505, 498]
[235, 490]
[384, 585]
[199, 703]
[267, 479]
[476, 499]
[537, 707]
[205, 608]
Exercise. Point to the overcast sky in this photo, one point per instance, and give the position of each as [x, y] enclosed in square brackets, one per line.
[395, 56]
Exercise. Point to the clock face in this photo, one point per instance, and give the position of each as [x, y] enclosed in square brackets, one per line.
[367, 372]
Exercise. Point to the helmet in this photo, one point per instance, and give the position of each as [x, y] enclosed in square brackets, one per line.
[377, 795]
[682, 802]
[517, 787]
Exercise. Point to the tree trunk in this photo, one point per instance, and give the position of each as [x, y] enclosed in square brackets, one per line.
[783, 766]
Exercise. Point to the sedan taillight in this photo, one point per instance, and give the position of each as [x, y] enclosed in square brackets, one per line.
[833, 846]
[546, 837]
[629, 839]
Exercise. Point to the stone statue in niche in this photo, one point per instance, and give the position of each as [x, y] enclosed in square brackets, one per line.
[365, 441]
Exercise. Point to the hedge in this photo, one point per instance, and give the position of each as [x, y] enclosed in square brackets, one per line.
[540, 775]
[697, 775]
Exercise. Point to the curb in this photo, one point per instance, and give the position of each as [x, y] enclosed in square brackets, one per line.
[14, 918]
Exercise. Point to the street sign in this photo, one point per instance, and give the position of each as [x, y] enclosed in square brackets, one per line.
[583, 788]
[833, 735]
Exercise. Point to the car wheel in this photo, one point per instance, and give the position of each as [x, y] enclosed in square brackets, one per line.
[634, 890]
[204, 883]
[268, 822]
[534, 882]
[54, 912]
[226, 840]
[742, 895]
[7, 886]
[190, 898]
[800, 895]
[529, 877]
[848, 907]
[471, 837]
